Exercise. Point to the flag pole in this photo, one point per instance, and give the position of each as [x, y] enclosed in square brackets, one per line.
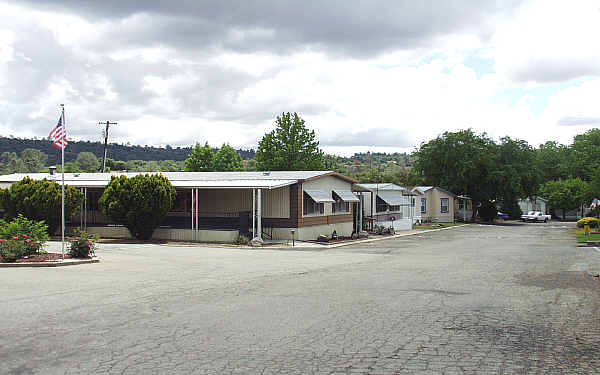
[63, 184]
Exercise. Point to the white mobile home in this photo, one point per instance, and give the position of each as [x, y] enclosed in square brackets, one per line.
[389, 205]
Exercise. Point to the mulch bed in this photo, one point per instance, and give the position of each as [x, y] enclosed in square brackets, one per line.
[41, 258]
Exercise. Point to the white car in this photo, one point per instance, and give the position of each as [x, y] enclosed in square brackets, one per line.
[535, 216]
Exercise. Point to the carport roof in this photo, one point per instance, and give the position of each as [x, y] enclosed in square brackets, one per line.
[206, 180]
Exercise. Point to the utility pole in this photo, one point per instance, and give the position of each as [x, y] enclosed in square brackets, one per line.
[107, 123]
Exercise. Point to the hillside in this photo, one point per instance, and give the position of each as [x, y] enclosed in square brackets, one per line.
[115, 151]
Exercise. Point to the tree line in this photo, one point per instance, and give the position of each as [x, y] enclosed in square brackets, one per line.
[502, 172]
[490, 172]
[124, 152]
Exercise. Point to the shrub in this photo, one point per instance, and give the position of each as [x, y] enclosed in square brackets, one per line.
[36, 231]
[83, 244]
[591, 221]
[4, 202]
[242, 240]
[139, 203]
[21, 237]
[17, 247]
[41, 200]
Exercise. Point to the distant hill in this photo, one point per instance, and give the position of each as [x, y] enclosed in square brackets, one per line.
[115, 151]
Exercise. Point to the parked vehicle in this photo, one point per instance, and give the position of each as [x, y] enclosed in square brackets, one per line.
[535, 216]
[503, 215]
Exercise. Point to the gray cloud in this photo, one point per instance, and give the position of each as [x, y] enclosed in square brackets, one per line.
[194, 32]
[578, 121]
[377, 137]
[557, 70]
[357, 29]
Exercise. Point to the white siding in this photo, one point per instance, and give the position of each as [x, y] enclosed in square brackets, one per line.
[326, 184]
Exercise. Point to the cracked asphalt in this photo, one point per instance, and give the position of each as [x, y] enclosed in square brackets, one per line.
[478, 299]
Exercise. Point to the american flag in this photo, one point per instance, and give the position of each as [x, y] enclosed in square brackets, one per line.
[59, 135]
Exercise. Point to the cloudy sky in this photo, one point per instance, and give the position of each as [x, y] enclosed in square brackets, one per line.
[366, 75]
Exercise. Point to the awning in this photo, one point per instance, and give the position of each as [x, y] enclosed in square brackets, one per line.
[393, 198]
[319, 196]
[346, 195]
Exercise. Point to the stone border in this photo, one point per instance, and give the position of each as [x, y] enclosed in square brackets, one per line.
[66, 262]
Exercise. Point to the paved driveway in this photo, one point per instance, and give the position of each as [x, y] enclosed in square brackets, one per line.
[475, 299]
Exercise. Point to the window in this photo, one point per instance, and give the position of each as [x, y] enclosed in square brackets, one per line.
[412, 202]
[423, 205]
[444, 202]
[461, 204]
[339, 205]
[311, 207]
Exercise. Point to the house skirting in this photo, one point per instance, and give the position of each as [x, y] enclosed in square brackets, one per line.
[311, 233]
[200, 235]
[399, 224]
[439, 219]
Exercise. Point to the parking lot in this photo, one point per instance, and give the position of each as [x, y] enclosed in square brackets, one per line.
[474, 299]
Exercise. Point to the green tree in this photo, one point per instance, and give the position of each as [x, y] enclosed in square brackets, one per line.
[553, 161]
[585, 154]
[201, 159]
[517, 175]
[249, 165]
[291, 146]
[10, 163]
[42, 200]
[568, 194]
[115, 165]
[88, 162]
[462, 162]
[140, 203]
[71, 167]
[33, 160]
[228, 159]
[5, 204]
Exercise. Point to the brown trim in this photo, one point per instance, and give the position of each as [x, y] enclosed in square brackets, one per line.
[296, 220]
[333, 174]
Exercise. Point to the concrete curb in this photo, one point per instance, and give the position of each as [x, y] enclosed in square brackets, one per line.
[66, 262]
[324, 247]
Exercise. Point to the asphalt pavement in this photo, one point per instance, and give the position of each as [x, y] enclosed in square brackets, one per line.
[478, 299]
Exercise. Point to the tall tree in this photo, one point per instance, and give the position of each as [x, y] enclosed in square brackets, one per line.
[553, 161]
[228, 159]
[568, 194]
[201, 159]
[517, 176]
[291, 146]
[586, 154]
[462, 162]
[10, 163]
[33, 160]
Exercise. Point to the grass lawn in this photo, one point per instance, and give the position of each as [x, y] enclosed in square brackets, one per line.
[582, 239]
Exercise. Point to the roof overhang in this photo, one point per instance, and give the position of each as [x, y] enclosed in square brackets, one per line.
[346, 195]
[393, 198]
[319, 196]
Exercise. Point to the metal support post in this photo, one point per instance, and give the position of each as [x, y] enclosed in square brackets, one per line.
[253, 213]
[259, 215]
